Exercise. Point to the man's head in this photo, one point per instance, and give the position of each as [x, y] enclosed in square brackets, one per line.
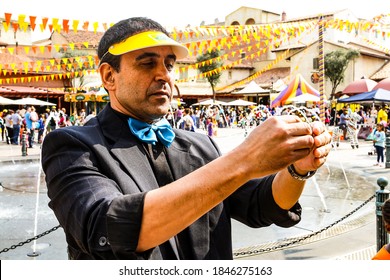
[137, 60]
[132, 34]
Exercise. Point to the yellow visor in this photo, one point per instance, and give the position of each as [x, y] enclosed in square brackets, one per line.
[148, 39]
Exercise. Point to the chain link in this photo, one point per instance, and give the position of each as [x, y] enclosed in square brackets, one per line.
[302, 238]
[30, 239]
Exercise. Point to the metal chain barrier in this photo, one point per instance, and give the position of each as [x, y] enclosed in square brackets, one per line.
[30, 239]
[302, 238]
[306, 115]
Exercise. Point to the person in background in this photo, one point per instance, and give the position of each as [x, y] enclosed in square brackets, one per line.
[384, 252]
[382, 115]
[343, 122]
[9, 130]
[379, 144]
[41, 128]
[128, 186]
[2, 124]
[17, 122]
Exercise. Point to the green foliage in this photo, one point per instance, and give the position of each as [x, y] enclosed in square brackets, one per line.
[211, 64]
[336, 63]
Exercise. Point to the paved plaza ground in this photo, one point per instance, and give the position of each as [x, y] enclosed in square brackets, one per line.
[338, 222]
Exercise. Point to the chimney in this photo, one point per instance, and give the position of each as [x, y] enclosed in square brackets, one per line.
[284, 15]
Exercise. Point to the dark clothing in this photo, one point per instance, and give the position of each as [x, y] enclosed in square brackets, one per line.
[97, 177]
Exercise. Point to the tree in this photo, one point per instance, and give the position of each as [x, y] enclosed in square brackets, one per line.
[208, 63]
[336, 63]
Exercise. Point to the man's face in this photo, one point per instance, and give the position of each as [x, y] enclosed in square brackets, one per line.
[143, 87]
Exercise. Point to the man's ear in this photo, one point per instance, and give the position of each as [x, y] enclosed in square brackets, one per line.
[387, 227]
[107, 76]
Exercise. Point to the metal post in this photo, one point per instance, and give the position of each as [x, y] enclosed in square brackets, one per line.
[387, 164]
[382, 237]
[24, 144]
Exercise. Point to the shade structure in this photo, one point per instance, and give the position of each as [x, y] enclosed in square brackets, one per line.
[210, 102]
[298, 86]
[32, 101]
[6, 101]
[359, 86]
[240, 102]
[252, 88]
[385, 84]
[377, 95]
[304, 98]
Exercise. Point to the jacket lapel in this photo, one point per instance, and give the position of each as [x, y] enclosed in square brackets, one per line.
[129, 152]
[132, 155]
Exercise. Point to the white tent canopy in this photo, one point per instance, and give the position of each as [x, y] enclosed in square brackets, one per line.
[240, 102]
[210, 102]
[252, 88]
[304, 98]
[6, 101]
[32, 101]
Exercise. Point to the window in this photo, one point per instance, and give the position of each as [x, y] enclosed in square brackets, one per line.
[315, 63]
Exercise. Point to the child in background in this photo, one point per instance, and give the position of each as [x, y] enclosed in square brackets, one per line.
[379, 144]
[209, 125]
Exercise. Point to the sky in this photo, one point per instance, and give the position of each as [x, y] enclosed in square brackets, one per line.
[180, 13]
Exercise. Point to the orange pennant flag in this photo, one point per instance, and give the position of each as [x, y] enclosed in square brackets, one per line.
[44, 22]
[65, 25]
[51, 27]
[32, 22]
[7, 18]
[15, 25]
[85, 25]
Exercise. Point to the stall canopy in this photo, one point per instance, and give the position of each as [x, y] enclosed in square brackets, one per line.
[385, 84]
[6, 101]
[33, 101]
[210, 102]
[298, 86]
[359, 86]
[240, 102]
[377, 95]
[252, 89]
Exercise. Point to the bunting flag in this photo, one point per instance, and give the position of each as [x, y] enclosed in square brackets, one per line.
[254, 40]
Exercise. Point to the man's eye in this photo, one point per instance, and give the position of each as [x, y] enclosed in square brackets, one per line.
[148, 63]
[169, 66]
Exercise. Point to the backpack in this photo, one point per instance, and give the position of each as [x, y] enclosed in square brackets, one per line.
[52, 122]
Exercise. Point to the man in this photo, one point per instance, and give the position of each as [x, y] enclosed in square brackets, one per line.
[382, 115]
[31, 117]
[344, 118]
[16, 122]
[124, 187]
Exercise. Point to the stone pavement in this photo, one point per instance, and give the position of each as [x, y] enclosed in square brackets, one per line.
[342, 187]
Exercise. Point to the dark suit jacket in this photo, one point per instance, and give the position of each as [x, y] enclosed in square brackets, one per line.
[97, 177]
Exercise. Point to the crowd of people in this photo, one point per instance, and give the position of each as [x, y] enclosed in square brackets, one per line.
[35, 124]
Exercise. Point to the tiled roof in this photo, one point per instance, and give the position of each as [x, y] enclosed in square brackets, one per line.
[23, 91]
[83, 36]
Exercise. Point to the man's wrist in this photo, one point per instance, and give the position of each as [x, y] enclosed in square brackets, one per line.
[291, 169]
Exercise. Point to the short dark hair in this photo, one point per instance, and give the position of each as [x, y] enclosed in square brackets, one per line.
[120, 32]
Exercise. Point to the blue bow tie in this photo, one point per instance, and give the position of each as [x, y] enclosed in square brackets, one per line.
[149, 133]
